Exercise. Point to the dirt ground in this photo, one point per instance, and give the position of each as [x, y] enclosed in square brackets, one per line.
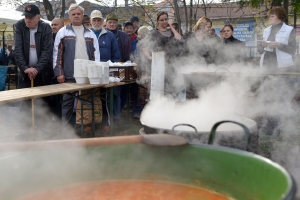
[10, 130]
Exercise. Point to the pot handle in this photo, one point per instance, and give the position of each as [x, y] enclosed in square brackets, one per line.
[189, 125]
[214, 128]
[222, 68]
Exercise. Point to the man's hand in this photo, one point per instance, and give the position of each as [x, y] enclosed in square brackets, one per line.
[32, 72]
[60, 78]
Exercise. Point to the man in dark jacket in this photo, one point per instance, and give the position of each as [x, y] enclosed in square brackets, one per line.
[109, 50]
[33, 46]
[125, 48]
[56, 25]
[135, 21]
[108, 44]
[122, 38]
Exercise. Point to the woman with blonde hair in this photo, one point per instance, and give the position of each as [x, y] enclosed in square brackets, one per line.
[199, 44]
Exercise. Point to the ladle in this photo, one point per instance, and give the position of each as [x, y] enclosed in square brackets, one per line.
[152, 139]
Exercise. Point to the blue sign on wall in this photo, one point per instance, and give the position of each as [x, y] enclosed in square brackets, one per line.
[244, 31]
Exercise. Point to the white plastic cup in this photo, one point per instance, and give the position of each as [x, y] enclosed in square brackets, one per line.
[99, 68]
[105, 68]
[80, 71]
[93, 73]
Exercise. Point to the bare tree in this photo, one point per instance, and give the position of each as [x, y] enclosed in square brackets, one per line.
[48, 8]
[186, 15]
[63, 8]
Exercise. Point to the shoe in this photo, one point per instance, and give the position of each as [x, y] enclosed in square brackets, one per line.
[136, 115]
[88, 128]
[106, 129]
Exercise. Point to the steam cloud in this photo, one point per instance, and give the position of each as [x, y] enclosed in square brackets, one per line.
[228, 89]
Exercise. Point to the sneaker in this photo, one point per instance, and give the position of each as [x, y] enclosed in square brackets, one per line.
[136, 115]
[106, 129]
[88, 128]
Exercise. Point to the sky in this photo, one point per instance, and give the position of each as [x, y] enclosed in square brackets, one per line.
[6, 5]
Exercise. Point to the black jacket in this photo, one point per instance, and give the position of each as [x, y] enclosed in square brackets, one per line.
[43, 42]
[233, 50]
[232, 40]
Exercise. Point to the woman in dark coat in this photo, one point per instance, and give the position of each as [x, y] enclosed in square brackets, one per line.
[233, 49]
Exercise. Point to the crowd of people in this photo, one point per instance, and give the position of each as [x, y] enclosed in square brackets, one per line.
[47, 56]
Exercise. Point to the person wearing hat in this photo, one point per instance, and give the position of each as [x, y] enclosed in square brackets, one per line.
[109, 50]
[73, 41]
[122, 38]
[33, 49]
[124, 44]
[128, 29]
[108, 44]
[86, 21]
[135, 21]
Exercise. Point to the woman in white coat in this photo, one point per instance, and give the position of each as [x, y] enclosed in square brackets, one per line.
[279, 41]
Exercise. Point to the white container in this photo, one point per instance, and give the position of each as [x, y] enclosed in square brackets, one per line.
[105, 73]
[105, 68]
[93, 73]
[80, 71]
[99, 68]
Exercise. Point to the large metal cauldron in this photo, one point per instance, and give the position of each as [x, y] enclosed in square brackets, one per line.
[228, 134]
[196, 81]
[46, 165]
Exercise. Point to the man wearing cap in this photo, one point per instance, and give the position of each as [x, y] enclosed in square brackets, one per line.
[86, 21]
[33, 49]
[124, 45]
[108, 44]
[108, 47]
[128, 29]
[33, 45]
[73, 41]
[135, 21]
[122, 38]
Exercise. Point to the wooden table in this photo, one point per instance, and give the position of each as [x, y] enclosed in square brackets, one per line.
[9, 96]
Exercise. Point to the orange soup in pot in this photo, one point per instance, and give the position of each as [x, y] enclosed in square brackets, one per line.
[126, 190]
